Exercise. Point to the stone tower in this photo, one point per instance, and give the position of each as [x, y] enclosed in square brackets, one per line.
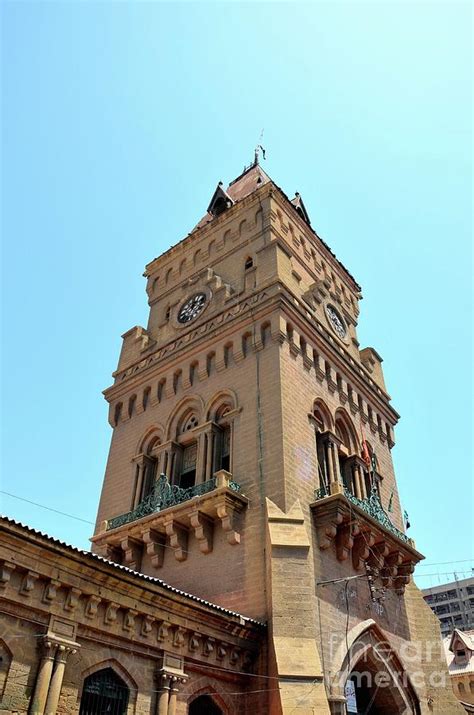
[250, 459]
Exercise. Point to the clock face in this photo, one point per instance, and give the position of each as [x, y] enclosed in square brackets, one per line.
[337, 323]
[192, 307]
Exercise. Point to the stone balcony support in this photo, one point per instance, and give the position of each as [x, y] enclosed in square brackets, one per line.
[174, 515]
[360, 528]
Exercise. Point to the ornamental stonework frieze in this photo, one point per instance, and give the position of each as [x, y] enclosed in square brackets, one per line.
[170, 349]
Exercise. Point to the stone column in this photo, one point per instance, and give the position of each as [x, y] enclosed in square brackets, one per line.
[210, 454]
[173, 696]
[201, 457]
[163, 695]
[140, 466]
[62, 653]
[43, 679]
[169, 676]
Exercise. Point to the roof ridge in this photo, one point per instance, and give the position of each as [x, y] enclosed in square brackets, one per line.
[145, 577]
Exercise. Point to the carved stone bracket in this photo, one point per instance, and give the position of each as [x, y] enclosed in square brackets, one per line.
[6, 570]
[345, 540]
[203, 530]
[72, 599]
[226, 514]
[155, 546]
[178, 536]
[51, 591]
[147, 625]
[110, 615]
[92, 606]
[28, 583]
[132, 553]
[162, 631]
[129, 619]
[364, 532]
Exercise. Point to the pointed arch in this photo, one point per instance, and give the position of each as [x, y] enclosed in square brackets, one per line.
[184, 408]
[217, 699]
[367, 643]
[320, 408]
[153, 435]
[217, 401]
[120, 673]
[344, 423]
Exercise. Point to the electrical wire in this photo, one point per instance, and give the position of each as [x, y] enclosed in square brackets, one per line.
[43, 506]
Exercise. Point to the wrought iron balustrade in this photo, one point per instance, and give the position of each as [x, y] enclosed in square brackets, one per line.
[372, 506]
[164, 495]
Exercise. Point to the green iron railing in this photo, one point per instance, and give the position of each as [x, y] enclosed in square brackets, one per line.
[164, 495]
[372, 506]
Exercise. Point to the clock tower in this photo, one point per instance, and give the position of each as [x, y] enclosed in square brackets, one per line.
[250, 461]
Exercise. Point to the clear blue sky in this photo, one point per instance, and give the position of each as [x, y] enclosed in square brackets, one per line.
[118, 121]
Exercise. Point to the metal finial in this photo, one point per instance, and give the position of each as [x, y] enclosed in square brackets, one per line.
[259, 148]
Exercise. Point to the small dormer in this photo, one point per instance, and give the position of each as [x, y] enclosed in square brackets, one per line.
[300, 208]
[461, 646]
[220, 202]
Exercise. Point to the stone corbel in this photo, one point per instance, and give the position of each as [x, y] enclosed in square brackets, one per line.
[361, 549]
[155, 546]
[129, 620]
[178, 537]
[6, 570]
[226, 515]
[72, 599]
[179, 636]
[194, 642]
[345, 540]
[390, 567]
[328, 532]
[221, 651]
[208, 646]
[147, 625]
[132, 552]
[110, 615]
[378, 552]
[113, 553]
[51, 591]
[28, 583]
[353, 406]
[319, 368]
[162, 632]
[307, 362]
[331, 382]
[92, 606]
[203, 530]
[234, 656]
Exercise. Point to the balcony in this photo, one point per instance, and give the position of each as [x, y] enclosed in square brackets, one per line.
[362, 530]
[168, 516]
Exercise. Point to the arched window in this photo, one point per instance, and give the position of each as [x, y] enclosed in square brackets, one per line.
[104, 692]
[204, 705]
[248, 263]
[461, 688]
[185, 475]
[345, 434]
[321, 449]
[224, 442]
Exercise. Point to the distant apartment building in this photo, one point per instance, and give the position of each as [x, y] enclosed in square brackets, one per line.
[453, 603]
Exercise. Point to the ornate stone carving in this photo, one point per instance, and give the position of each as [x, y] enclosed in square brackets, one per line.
[92, 605]
[28, 583]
